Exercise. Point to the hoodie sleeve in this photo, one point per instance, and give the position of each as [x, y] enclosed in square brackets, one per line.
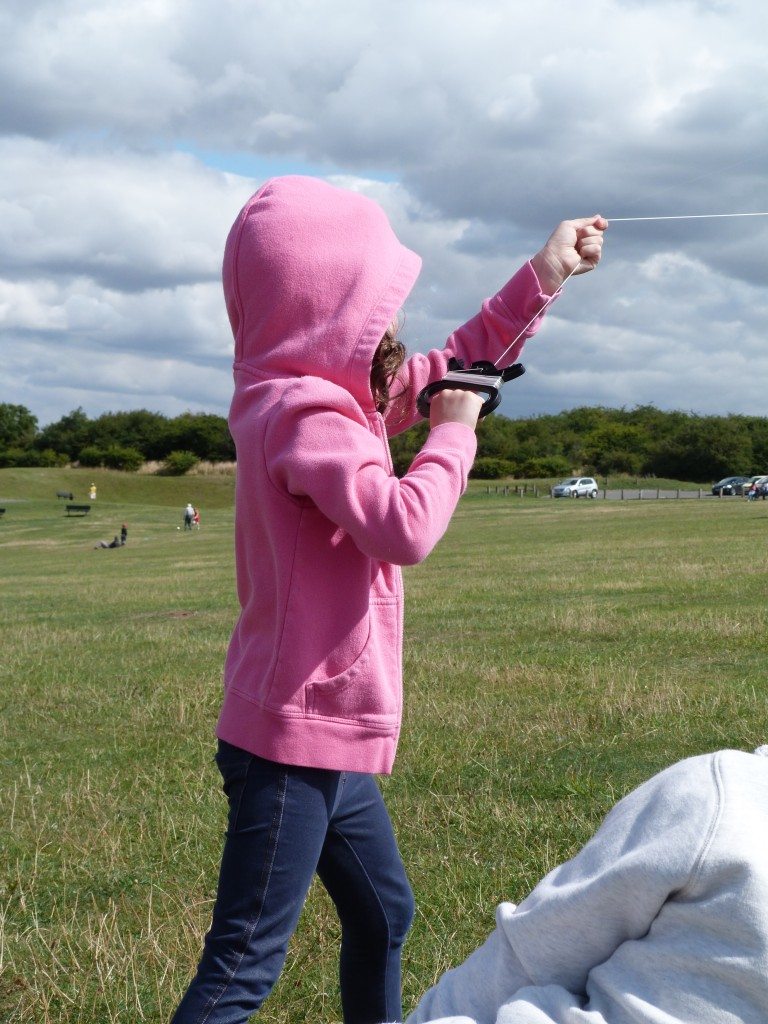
[330, 456]
[649, 847]
[486, 980]
[485, 336]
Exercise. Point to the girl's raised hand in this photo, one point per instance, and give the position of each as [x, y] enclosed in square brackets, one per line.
[455, 406]
[574, 246]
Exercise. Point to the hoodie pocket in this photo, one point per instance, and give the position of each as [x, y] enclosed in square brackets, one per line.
[370, 689]
[339, 650]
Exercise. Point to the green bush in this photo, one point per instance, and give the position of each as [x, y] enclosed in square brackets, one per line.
[127, 459]
[401, 462]
[179, 463]
[49, 459]
[492, 469]
[30, 457]
[91, 456]
[548, 465]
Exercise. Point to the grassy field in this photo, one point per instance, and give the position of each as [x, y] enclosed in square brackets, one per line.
[557, 653]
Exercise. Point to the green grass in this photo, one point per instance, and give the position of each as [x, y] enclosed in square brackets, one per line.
[557, 653]
[114, 489]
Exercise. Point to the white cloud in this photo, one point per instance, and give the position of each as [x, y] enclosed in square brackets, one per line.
[127, 219]
[490, 121]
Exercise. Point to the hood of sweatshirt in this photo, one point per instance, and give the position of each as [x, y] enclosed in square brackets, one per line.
[313, 276]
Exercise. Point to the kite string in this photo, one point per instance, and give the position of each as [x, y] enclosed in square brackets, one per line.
[614, 220]
[550, 299]
[686, 216]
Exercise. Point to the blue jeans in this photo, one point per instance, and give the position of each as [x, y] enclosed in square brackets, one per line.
[285, 823]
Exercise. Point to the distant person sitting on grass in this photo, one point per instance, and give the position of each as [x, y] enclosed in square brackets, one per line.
[662, 918]
[112, 544]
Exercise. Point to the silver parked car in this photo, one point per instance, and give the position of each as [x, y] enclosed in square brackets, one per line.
[576, 487]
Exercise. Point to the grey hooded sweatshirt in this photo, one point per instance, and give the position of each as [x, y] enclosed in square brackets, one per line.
[661, 918]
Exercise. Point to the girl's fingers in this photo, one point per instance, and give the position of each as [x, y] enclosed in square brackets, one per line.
[596, 220]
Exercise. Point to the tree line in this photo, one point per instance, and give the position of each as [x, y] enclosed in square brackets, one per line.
[587, 440]
[117, 440]
[596, 441]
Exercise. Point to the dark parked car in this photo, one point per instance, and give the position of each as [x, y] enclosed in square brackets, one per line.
[730, 485]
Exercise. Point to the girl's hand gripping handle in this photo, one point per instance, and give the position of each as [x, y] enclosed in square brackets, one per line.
[455, 406]
[482, 378]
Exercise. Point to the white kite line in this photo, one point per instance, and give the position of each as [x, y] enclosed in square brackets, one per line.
[686, 216]
[614, 220]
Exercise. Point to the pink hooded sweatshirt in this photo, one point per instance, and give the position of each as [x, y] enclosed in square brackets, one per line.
[313, 276]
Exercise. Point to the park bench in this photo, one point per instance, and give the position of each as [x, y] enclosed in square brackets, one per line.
[78, 510]
[65, 494]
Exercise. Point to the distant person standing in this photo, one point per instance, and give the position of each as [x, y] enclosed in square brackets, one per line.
[123, 534]
[92, 492]
[196, 518]
[189, 515]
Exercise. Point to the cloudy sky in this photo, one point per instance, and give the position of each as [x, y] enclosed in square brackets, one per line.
[133, 131]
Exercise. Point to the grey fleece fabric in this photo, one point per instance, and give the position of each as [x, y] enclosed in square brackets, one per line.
[662, 918]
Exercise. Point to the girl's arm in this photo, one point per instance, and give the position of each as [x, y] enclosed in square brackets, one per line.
[325, 451]
[485, 336]
[574, 247]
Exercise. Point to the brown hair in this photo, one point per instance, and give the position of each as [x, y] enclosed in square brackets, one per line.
[387, 360]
